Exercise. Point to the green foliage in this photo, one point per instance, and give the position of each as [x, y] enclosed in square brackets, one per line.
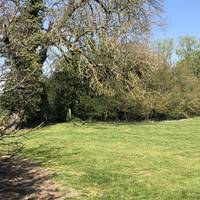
[189, 52]
[103, 80]
[136, 83]
[24, 89]
[165, 49]
[64, 90]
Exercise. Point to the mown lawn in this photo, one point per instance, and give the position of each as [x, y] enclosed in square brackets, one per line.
[104, 161]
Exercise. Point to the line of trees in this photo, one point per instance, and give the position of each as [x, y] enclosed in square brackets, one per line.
[141, 81]
[103, 65]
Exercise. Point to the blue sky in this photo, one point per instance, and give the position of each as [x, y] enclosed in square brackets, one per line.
[182, 18]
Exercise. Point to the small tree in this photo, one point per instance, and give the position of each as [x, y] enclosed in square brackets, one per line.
[188, 51]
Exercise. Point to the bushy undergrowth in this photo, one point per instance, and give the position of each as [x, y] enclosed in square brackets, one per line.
[133, 82]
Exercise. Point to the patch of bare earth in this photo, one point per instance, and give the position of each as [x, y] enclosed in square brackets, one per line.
[21, 180]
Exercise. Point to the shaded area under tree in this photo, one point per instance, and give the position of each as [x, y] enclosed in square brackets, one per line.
[21, 180]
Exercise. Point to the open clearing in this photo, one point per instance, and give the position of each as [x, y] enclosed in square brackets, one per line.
[104, 161]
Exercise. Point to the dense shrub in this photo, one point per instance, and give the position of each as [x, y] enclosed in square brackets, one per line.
[129, 82]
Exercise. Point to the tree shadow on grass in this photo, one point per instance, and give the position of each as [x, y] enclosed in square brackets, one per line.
[45, 155]
[21, 180]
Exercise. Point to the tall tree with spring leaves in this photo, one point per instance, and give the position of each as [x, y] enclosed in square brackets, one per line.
[30, 28]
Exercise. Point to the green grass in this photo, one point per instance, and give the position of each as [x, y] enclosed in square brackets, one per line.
[152, 160]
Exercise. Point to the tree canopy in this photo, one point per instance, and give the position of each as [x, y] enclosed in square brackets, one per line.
[104, 66]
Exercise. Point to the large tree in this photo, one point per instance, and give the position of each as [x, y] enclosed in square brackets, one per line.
[29, 28]
[25, 54]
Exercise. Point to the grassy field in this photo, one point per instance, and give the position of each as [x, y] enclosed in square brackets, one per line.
[151, 160]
